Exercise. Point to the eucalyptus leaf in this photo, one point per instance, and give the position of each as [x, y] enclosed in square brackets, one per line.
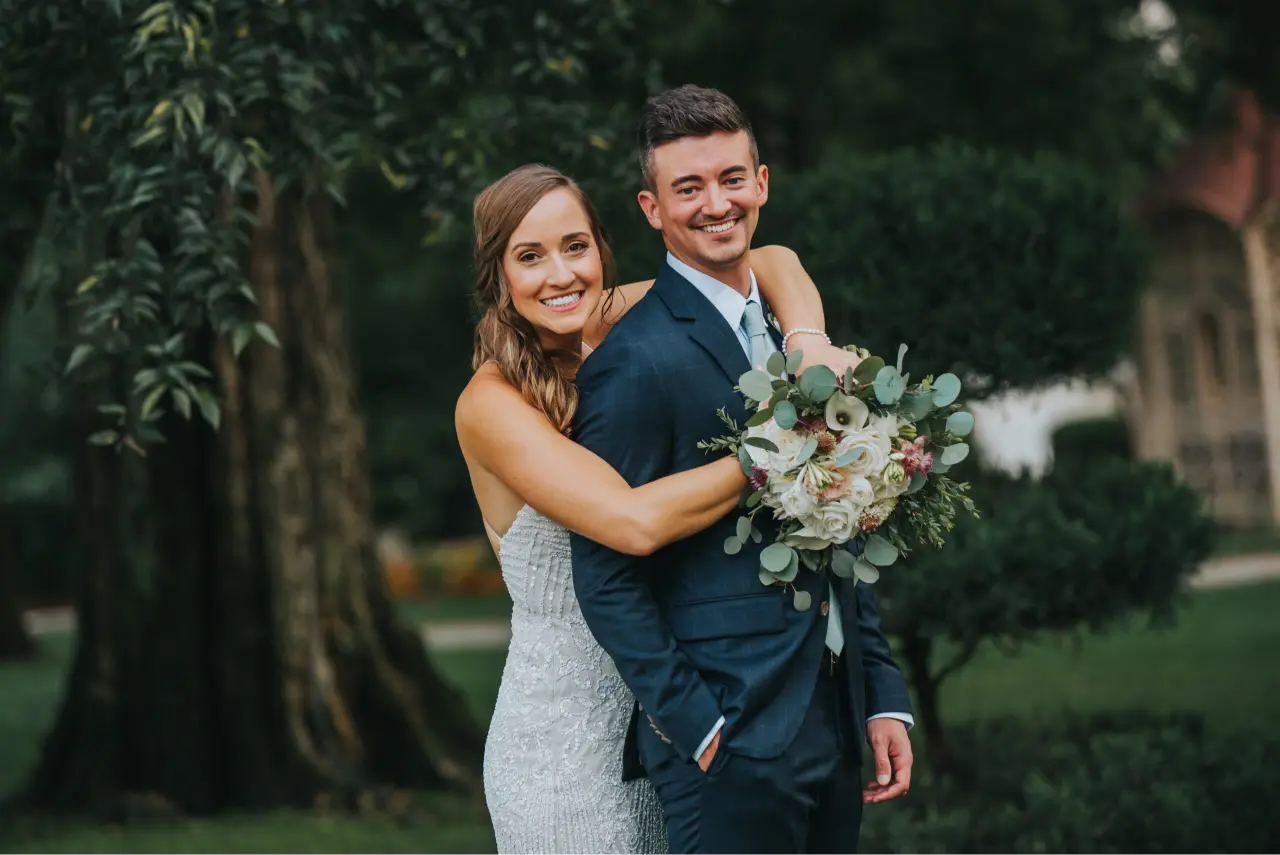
[778, 395]
[880, 552]
[754, 499]
[953, 454]
[756, 385]
[850, 382]
[850, 456]
[866, 572]
[917, 407]
[946, 389]
[777, 364]
[803, 601]
[732, 545]
[889, 385]
[842, 563]
[917, 483]
[760, 417]
[776, 557]
[761, 442]
[785, 415]
[793, 569]
[766, 578]
[744, 460]
[868, 369]
[902, 352]
[939, 468]
[794, 360]
[960, 423]
[818, 383]
[743, 528]
[806, 450]
[756, 534]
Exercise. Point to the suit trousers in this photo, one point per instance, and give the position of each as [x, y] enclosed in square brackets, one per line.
[808, 799]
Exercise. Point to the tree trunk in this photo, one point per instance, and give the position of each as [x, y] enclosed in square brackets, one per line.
[247, 655]
[15, 641]
[917, 655]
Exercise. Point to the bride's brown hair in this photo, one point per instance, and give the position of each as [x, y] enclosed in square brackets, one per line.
[503, 335]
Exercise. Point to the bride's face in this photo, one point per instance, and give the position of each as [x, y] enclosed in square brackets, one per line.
[553, 265]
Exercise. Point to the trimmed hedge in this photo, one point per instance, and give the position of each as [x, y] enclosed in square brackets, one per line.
[1116, 783]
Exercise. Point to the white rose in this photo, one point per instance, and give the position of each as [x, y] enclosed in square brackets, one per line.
[796, 502]
[837, 521]
[788, 442]
[872, 448]
[861, 493]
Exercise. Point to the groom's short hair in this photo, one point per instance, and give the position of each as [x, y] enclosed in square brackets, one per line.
[688, 111]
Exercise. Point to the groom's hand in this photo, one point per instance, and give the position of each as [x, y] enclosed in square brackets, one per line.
[893, 757]
[704, 762]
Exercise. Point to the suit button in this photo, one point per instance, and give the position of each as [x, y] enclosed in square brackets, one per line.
[824, 608]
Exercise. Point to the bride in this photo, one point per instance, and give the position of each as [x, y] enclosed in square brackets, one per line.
[553, 757]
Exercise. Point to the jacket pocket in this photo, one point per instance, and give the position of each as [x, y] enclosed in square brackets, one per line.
[728, 617]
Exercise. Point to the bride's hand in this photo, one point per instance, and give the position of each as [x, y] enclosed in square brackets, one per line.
[817, 352]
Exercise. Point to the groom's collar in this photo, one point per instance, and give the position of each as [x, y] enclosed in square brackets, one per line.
[728, 302]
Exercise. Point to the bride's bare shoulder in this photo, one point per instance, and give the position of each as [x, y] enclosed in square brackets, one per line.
[485, 392]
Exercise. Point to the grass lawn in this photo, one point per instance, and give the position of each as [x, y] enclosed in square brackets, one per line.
[1219, 660]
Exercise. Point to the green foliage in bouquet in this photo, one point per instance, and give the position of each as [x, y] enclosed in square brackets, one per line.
[833, 428]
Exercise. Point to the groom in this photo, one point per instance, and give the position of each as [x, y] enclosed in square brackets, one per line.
[752, 714]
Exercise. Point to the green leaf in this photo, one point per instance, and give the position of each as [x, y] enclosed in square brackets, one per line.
[79, 354]
[104, 437]
[818, 383]
[794, 360]
[902, 352]
[868, 369]
[761, 442]
[776, 557]
[266, 334]
[241, 337]
[806, 450]
[776, 364]
[766, 578]
[779, 394]
[946, 389]
[843, 563]
[850, 456]
[866, 572]
[152, 399]
[917, 407]
[953, 454]
[743, 528]
[760, 417]
[785, 415]
[209, 409]
[879, 551]
[756, 385]
[182, 403]
[744, 460]
[917, 483]
[803, 601]
[754, 499]
[732, 545]
[756, 534]
[939, 468]
[960, 423]
[889, 385]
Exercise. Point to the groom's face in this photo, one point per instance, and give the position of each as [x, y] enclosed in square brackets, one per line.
[706, 198]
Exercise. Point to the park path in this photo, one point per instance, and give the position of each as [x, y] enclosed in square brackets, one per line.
[493, 633]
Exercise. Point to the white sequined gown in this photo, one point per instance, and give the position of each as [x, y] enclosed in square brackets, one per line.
[553, 758]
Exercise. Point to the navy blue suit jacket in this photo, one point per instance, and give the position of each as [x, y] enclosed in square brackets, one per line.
[693, 632]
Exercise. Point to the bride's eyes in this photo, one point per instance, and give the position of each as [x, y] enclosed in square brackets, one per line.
[527, 257]
[578, 246]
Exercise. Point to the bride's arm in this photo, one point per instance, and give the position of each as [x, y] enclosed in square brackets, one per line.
[786, 286]
[571, 485]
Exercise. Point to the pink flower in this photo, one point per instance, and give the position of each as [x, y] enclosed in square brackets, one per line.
[759, 477]
[915, 458]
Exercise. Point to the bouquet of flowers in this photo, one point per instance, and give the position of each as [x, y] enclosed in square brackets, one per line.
[854, 468]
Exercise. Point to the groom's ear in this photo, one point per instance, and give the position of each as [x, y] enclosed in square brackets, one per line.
[649, 204]
[762, 183]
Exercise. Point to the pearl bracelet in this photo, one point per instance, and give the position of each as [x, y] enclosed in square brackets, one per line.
[786, 338]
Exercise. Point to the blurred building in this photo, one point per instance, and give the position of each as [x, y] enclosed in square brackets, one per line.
[1206, 394]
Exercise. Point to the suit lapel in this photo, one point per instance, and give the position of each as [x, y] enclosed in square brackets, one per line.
[706, 326]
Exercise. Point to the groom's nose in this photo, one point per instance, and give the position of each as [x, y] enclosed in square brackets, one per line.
[718, 203]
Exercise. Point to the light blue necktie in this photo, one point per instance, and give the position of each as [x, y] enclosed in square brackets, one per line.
[759, 348]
